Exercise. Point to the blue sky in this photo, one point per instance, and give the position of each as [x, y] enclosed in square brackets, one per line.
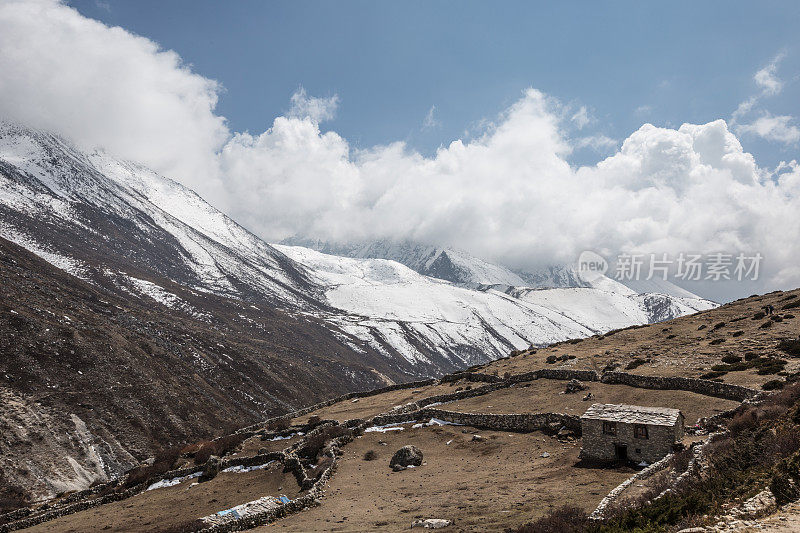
[390, 63]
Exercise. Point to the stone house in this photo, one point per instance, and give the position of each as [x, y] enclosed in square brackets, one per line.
[613, 432]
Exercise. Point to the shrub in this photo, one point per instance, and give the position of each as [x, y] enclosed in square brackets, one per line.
[749, 356]
[551, 359]
[701, 327]
[671, 336]
[767, 324]
[731, 359]
[774, 384]
[719, 325]
[759, 315]
[713, 374]
[790, 346]
[716, 342]
[776, 318]
[737, 333]
[162, 462]
[219, 447]
[566, 519]
[791, 305]
[314, 420]
[790, 297]
[788, 316]
[279, 424]
[371, 455]
[635, 363]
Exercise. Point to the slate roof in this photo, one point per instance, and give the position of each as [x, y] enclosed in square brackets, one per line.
[632, 414]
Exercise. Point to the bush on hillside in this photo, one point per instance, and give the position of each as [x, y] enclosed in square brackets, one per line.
[279, 424]
[162, 463]
[774, 384]
[790, 346]
[566, 519]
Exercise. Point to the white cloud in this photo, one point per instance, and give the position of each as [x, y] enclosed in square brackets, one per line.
[509, 194]
[766, 126]
[430, 122]
[767, 78]
[316, 109]
[598, 143]
[581, 118]
[106, 87]
[773, 128]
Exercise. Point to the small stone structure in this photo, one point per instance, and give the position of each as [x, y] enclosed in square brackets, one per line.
[630, 432]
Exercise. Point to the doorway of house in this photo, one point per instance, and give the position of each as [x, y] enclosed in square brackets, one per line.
[621, 451]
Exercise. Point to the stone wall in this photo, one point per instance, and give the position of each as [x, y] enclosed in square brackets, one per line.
[343, 397]
[700, 386]
[522, 422]
[615, 493]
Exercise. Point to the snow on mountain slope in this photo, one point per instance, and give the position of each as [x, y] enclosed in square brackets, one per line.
[442, 263]
[63, 202]
[466, 270]
[387, 302]
[602, 310]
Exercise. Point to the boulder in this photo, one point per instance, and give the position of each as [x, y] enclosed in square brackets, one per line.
[431, 523]
[210, 469]
[574, 385]
[406, 456]
[759, 505]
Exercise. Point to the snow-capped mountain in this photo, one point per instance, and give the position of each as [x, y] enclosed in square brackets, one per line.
[443, 263]
[125, 228]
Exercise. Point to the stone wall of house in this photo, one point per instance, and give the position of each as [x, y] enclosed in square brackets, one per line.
[596, 445]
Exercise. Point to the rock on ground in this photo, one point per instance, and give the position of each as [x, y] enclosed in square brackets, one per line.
[406, 456]
[431, 523]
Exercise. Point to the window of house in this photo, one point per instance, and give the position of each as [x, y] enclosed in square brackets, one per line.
[610, 428]
[640, 431]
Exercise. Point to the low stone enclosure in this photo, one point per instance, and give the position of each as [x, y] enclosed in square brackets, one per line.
[422, 409]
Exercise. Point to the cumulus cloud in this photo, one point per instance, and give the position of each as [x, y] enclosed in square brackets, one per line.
[509, 194]
[313, 108]
[105, 87]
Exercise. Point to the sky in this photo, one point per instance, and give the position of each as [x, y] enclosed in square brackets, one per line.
[521, 132]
